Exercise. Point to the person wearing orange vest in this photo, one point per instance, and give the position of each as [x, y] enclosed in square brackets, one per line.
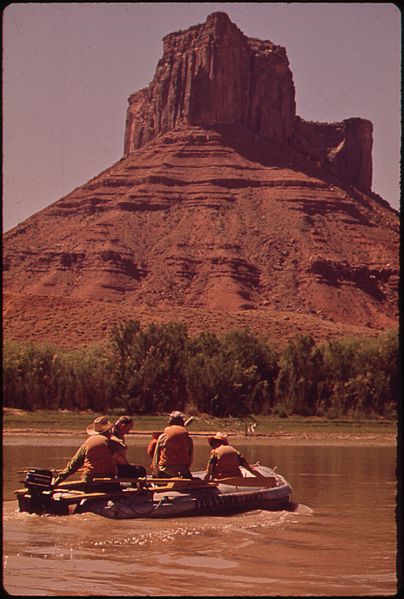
[98, 456]
[151, 448]
[174, 450]
[225, 460]
[121, 428]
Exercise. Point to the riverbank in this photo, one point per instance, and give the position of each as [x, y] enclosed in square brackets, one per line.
[274, 429]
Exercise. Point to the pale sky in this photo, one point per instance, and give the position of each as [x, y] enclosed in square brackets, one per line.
[69, 68]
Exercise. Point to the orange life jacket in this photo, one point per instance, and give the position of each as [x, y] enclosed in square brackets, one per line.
[151, 447]
[98, 458]
[175, 448]
[228, 461]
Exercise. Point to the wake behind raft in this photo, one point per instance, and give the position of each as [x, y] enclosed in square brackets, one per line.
[154, 497]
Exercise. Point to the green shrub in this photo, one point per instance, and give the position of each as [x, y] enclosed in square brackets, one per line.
[159, 368]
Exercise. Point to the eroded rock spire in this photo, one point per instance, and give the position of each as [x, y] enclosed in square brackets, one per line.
[212, 75]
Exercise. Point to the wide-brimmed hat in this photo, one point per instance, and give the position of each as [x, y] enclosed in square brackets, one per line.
[99, 426]
[222, 437]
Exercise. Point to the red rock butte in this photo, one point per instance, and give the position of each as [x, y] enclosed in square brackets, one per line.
[227, 210]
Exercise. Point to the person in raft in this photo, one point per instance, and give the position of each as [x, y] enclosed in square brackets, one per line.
[225, 460]
[155, 435]
[174, 450]
[98, 456]
[152, 445]
[121, 427]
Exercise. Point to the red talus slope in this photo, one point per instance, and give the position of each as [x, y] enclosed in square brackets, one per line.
[188, 221]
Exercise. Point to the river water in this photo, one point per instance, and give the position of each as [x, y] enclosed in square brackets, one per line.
[339, 541]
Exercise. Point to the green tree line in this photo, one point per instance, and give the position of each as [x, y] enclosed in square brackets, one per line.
[159, 368]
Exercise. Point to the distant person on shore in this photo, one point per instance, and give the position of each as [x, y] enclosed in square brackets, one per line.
[122, 427]
[173, 451]
[225, 460]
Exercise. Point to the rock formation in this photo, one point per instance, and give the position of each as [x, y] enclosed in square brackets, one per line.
[224, 200]
[212, 75]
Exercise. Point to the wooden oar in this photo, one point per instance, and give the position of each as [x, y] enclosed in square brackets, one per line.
[178, 487]
[103, 480]
[159, 484]
[174, 479]
[247, 481]
[98, 481]
[55, 470]
[140, 480]
[73, 484]
[77, 495]
[96, 495]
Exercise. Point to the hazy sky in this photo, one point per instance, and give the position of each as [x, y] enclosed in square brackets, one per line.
[68, 69]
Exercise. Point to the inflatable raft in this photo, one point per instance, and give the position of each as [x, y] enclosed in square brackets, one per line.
[155, 498]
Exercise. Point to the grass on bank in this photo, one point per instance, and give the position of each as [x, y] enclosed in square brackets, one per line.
[55, 421]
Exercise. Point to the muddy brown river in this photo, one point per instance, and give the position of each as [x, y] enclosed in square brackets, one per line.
[339, 541]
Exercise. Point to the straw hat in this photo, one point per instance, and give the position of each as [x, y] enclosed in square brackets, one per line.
[222, 437]
[99, 426]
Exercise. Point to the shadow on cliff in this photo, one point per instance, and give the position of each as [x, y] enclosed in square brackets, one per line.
[336, 274]
[258, 149]
[313, 207]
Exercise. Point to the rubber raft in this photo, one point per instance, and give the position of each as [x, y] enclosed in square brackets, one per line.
[157, 498]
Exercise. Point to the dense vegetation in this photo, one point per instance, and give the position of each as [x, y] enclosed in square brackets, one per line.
[160, 368]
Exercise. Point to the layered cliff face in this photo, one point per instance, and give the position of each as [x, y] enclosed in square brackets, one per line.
[341, 149]
[214, 215]
[213, 75]
[188, 221]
